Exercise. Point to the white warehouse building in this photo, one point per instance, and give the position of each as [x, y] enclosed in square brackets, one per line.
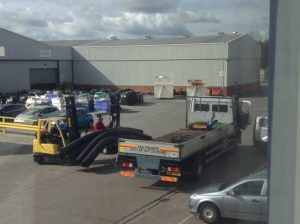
[26, 63]
[229, 61]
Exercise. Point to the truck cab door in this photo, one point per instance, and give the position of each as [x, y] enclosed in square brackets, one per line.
[243, 117]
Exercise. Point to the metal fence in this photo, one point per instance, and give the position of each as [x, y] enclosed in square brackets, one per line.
[9, 123]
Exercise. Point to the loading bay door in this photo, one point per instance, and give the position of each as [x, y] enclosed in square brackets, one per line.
[44, 78]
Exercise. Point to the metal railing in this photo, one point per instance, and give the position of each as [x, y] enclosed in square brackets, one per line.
[9, 123]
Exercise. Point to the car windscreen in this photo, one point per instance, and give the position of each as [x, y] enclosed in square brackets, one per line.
[32, 111]
[225, 185]
[265, 122]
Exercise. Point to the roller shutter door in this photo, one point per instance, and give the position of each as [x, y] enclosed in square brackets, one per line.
[43, 78]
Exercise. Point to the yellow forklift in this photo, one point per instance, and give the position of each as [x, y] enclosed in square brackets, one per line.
[58, 138]
[55, 133]
[49, 139]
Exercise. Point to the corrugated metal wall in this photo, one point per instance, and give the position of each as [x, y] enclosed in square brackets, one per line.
[243, 61]
[155, 52]
[137, 65]
[242, 71]
[15, 75]
[143, 72]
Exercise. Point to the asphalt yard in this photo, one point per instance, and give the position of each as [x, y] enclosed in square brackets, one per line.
[32, 193]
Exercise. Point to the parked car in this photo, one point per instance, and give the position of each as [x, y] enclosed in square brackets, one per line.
[84, 119]
[12, 98]
[130, 97]
[11, 110]
[260, 132]
[31, 115]
[245, 199]
[3, 98]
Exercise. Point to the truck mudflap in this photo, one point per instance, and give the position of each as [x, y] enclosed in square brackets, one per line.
[148, 176]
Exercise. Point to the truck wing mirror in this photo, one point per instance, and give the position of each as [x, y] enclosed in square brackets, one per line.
[246, 104]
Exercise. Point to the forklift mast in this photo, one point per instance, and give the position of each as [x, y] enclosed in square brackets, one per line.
[72, 117]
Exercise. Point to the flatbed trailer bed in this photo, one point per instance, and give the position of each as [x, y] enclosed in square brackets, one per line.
[186, 151]
[180, 136]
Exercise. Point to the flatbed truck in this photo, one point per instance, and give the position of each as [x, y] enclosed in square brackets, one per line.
[213, 127]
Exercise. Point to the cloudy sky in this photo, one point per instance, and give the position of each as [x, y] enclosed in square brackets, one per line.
[98, 19]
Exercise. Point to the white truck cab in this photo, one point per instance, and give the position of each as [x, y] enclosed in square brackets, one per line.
[260, 131]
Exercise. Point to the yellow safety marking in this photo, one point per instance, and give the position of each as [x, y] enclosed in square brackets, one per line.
[7, 122]
[127, 174]
[128, 146]
[174, 174]
[169, 179]
[168, 149]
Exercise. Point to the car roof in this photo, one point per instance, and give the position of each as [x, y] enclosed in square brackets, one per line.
[54, 118]
[43, 106]
[11, 104]
[81, 108]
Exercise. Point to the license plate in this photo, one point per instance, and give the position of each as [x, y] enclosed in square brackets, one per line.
[145, 171]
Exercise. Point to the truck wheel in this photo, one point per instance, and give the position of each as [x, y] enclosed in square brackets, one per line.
[209, 213]
[255, 146]
[197, 168]
[235, 145]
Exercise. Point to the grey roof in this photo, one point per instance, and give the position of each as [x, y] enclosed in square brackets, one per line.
[16, 35]
[67, 43]
[165, 41]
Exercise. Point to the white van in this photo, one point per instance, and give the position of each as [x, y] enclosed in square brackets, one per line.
[260, 131]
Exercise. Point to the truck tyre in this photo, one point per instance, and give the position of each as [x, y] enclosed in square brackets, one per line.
[209, 213]
[235, 146]
[256, 147]
[197, 167]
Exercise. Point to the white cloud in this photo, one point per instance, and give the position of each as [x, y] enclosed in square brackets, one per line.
[95, 19]
[146, 6]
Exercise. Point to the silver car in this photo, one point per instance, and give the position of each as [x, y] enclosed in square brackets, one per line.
[245, 199]
[31, 115]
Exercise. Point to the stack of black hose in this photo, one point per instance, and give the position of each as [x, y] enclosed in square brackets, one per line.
[84, 150]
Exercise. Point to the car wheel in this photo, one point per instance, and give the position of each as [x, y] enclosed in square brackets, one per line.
[209, 213]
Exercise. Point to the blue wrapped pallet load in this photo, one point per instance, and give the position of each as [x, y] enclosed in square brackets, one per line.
[85, 100]
[102, 102]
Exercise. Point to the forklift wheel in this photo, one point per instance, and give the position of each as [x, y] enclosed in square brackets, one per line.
[38, 159]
